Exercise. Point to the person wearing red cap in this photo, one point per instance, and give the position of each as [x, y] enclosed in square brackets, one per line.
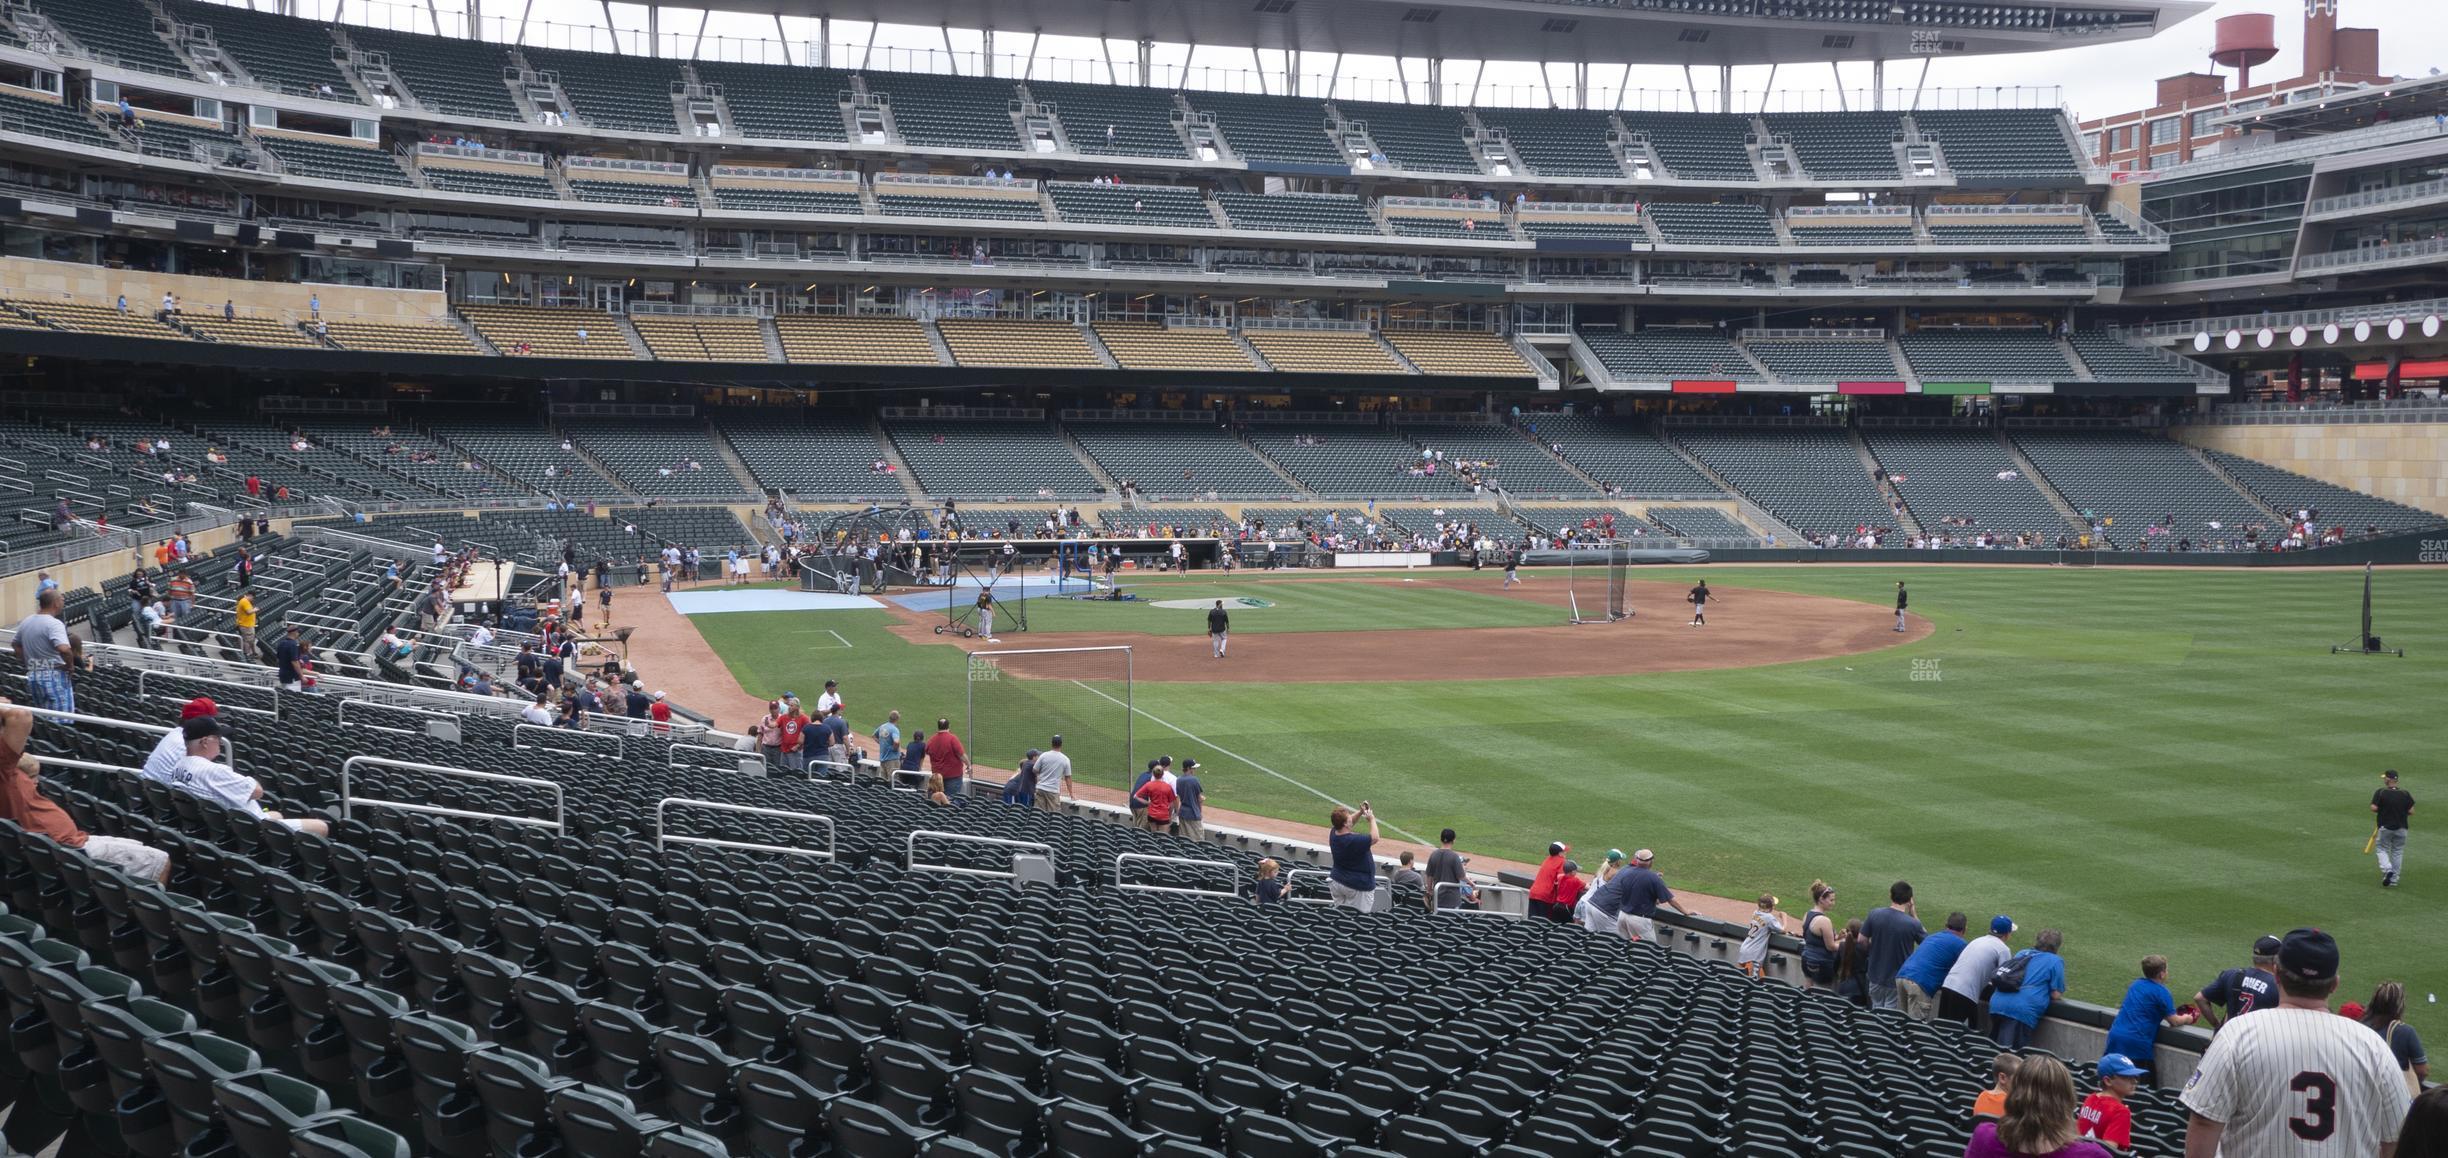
[167, 755]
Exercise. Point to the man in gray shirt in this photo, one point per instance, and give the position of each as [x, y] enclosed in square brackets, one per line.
[1445, 867]
[1053, 777]
[42, 642]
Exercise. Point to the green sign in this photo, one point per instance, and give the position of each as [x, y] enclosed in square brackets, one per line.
[1955, 388]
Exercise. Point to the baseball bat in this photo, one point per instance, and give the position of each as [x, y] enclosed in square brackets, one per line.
[2371, 842]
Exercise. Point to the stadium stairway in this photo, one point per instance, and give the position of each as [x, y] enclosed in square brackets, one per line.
[1752, 512]
[891, 453]
[1088, 461]
[579, 448]
[2047, 490]
[1905, 519]
[2277, 517]
[749, 483]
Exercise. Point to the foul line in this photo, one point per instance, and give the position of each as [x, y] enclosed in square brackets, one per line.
[1229, 754]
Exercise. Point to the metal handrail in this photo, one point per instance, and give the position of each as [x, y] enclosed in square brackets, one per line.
[664, 837]
[1230, 869]
[910, 860]
[736, 758]
[518, 730]
[272, 690]
[1291, 875]
[450, 718]
[1483, 890]
[348, 766]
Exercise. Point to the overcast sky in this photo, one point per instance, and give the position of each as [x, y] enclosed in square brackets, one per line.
[2094, 80]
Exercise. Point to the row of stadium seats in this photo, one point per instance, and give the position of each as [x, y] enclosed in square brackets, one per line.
[1951, 481]
[634, 94]
[420, 983]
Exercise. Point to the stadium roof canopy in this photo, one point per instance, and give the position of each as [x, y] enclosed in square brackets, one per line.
[2419, 99]
[1687, 32]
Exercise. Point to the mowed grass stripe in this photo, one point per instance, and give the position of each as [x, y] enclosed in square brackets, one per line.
[2152, 761]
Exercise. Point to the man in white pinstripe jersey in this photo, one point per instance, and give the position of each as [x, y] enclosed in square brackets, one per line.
[2295, 1080]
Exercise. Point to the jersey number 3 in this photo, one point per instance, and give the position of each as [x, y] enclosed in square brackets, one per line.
[2319, 1118]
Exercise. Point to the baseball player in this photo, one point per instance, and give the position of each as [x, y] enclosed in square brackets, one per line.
[2392, 811]
[985, 614]
[2297, 1079]
[1219, 629]
[1699, 598]
[1899, 605]
[1512, 566]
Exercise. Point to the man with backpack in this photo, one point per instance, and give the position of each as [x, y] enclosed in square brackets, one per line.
[2022, 989]
[1960, 996]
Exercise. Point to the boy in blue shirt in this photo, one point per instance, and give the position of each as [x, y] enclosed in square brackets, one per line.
[2135, 1033]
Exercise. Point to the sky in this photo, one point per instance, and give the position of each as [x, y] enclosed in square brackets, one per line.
[2092, 81]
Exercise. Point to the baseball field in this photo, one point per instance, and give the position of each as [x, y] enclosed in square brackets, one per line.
[2164, 761]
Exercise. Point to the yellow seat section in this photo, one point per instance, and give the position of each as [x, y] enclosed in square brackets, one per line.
[842, 340]
[1150, 346]
[549, 332]
[1010, 342]
[1457, 352]
[1323, 352]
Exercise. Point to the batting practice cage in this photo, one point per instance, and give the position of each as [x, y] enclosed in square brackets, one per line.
[1022, 699]
[1594, 580]
[837, 556]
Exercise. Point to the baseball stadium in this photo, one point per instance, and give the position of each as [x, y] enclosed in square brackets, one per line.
[1162, 578]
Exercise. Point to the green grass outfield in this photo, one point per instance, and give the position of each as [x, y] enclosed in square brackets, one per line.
[2152, 761]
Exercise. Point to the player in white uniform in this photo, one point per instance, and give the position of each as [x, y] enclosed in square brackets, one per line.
[2296, 1081]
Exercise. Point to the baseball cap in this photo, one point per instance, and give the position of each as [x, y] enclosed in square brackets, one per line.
[199, 706]
[1557, 848]
[1615, 856]
[831, 684]
[2001, 924]
[2309, 954]
[200, 727]
[791, 696]
[2117, 1065]
[1572, 866]
[658, 695]
[2352, 1009]
[1189, 765]
[1644, 856]
[1031, 754]
[2268, 945]
[2391, 774]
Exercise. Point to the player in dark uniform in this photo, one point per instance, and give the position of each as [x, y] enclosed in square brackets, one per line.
[1512, 560]
[2237, 992]
[1699, 598]
[1899, 605]
[1219, 629]
[2392, 812]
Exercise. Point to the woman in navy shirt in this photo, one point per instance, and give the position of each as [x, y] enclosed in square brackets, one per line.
[1353, 879]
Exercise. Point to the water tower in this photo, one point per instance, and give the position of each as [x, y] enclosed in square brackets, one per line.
[2243, 41]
